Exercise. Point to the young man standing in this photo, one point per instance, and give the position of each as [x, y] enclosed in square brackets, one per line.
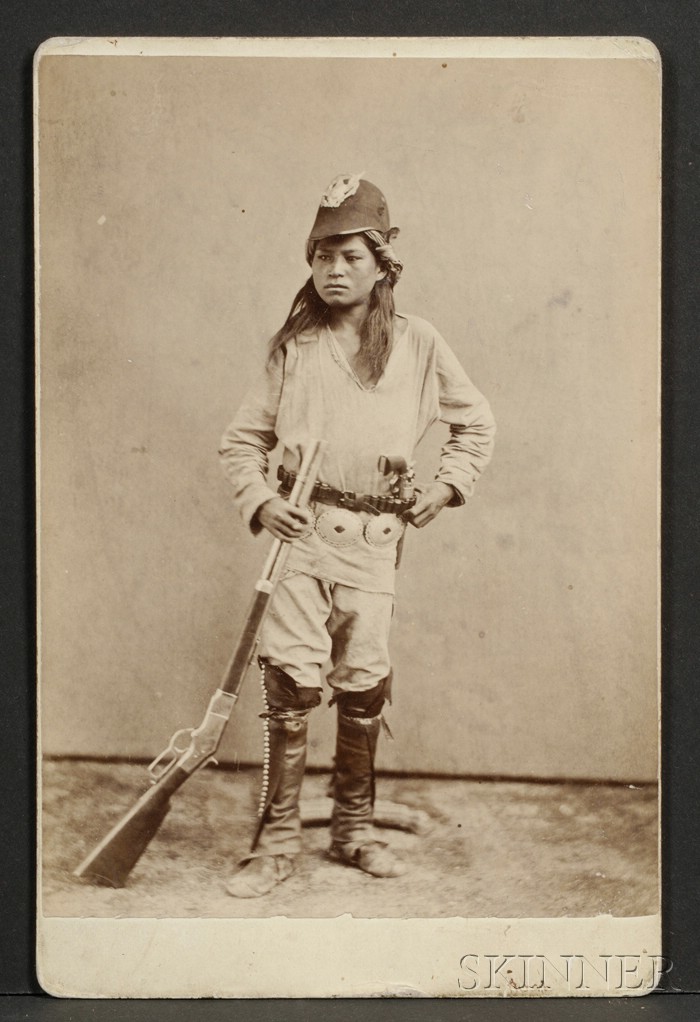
[347, 369]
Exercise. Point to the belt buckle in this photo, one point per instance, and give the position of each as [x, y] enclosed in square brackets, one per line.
[346, 497]
[367, 505]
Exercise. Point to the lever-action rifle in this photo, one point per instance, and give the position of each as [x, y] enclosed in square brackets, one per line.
[110, 863]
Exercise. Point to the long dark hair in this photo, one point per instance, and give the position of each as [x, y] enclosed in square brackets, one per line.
[310, 312]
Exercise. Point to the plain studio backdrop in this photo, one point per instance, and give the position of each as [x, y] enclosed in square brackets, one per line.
[176, 194]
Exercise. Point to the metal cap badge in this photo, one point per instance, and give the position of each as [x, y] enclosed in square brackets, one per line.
[350, 205]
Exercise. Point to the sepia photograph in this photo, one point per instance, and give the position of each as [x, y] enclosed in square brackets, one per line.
[348, 516]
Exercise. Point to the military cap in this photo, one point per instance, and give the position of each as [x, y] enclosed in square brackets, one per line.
[350, 205]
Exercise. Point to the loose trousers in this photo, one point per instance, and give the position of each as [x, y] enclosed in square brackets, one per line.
[311, 621]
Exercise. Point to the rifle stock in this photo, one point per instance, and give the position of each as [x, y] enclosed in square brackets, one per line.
[112, 860]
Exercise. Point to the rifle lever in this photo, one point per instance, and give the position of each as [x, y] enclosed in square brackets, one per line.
[168, 757]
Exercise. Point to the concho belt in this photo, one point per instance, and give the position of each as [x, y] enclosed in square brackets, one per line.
[341, 528]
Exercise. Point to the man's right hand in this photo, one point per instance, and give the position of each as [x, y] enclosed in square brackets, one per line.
[284, 521]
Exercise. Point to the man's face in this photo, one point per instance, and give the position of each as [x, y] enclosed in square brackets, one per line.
[345, 270]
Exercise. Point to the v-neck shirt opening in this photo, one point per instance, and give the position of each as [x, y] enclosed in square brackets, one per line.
[341, 359]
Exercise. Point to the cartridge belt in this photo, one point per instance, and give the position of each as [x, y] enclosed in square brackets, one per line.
[322, 493]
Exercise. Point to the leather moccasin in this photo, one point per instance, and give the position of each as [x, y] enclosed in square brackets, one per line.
[375, 858]
[260, 875]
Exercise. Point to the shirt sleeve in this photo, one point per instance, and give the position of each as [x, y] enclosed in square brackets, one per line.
[247, 442]
[472, 427]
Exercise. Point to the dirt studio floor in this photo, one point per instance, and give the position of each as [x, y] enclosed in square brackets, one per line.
[486, 848]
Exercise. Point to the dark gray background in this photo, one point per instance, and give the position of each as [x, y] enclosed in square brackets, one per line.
[674, 28]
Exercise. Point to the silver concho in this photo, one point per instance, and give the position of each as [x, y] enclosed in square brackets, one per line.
[339, 527]
[383, 530]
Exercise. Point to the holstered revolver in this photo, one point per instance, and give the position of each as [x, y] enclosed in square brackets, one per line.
[402, 484]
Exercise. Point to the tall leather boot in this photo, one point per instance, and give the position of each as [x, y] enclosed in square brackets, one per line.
[353, 839]
[277, 840]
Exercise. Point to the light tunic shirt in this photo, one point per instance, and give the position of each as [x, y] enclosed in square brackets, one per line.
[309, 390]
